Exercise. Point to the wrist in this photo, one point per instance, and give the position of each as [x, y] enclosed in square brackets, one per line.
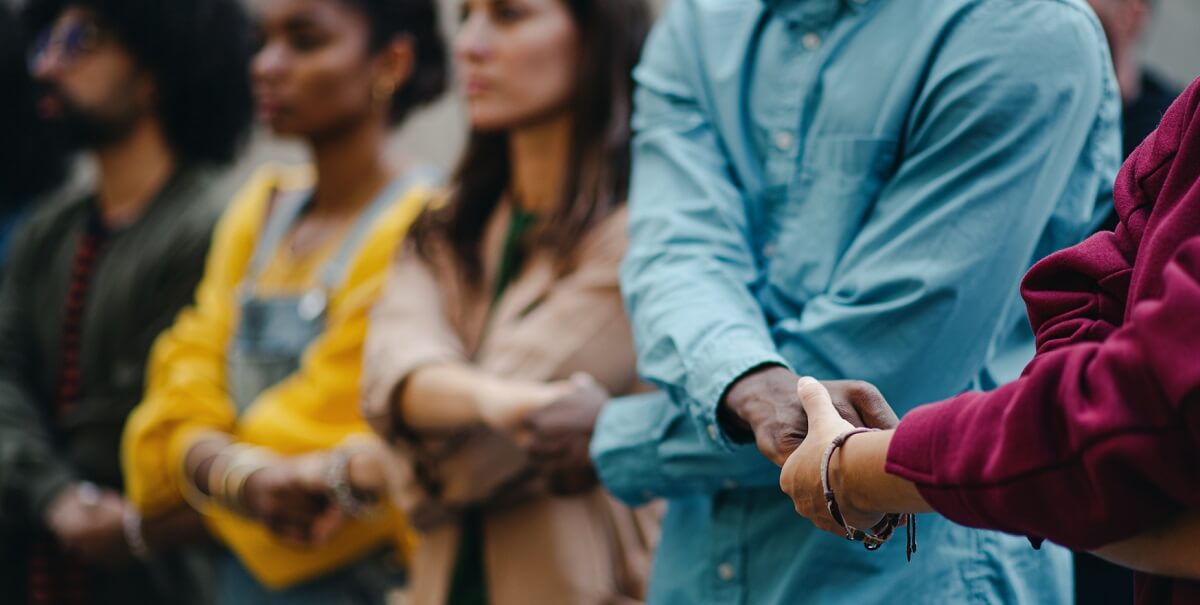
[340, 483]
[364, 473]
[133, 527]
[749, 400]
[842, 488]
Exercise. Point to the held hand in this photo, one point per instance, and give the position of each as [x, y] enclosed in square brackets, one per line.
[508, 404]
[763, 404]
[89, 521]
[801, 477]
[289, 497]
[556, 437]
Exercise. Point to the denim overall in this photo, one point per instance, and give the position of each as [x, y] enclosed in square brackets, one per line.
[271, 337]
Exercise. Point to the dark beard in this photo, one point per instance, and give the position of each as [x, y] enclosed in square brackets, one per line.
[85, 129]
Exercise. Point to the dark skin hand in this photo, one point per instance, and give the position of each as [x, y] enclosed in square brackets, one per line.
[96, 532]
[286, 497]
[762, 406]
[182, 526]
[93, 530]
[556, 438]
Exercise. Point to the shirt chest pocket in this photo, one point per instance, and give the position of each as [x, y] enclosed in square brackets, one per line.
[840, 178]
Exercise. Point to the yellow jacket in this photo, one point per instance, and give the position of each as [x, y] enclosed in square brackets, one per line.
[314, 409]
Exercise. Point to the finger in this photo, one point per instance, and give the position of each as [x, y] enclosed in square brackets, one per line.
[327, 524]
[583, 380]
[875, 409]
[301, 509]
[545, 445]
[816, 401]
[301, 534]
[523, 435]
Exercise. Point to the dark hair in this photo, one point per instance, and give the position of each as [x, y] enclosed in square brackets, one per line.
[611, 36]
[417, 20]
[198, 52]
[34, 156]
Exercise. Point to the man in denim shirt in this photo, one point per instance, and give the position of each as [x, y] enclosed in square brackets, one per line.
[841, 188]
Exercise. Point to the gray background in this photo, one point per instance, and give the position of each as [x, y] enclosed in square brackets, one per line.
[436, 134]
[1172, 49]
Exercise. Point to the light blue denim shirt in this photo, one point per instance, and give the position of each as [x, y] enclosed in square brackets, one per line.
[850, 189]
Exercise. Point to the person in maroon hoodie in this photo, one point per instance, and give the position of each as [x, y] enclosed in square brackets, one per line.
[1097, 445]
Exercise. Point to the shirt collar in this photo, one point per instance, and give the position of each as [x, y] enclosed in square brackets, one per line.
[812, 13]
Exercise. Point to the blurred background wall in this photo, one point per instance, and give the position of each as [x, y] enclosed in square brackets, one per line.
[436, 134]
[1173, 49]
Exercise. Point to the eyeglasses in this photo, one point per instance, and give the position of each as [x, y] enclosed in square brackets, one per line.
[66, 42]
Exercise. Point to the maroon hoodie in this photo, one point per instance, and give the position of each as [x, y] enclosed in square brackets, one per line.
[1099, 439]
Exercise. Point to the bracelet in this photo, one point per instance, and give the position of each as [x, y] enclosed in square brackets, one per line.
[337, 481]
[222, 462]
[131, 523]
[192, 494]
[233, 482]
[878, 535]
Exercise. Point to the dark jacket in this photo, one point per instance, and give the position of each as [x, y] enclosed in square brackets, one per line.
[145, 275]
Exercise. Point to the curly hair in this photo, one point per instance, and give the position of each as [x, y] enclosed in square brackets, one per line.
[197, 51]
[417, 20]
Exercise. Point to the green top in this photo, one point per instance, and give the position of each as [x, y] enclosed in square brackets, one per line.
[512, 254]
[469, 582]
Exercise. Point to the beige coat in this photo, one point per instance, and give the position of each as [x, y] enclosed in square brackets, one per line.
[539, 549]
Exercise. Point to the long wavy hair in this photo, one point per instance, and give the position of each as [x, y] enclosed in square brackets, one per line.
[612, 33]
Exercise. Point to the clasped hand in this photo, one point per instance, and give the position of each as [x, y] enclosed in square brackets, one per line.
[793, 420]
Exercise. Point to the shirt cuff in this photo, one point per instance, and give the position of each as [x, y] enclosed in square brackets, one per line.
[624, 449]
[709, 381]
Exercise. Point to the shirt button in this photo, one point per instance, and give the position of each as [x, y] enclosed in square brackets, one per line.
[811, 40]
[784, 140]
[730, 484]
[768, 250]
[725, 571]
[712, 432]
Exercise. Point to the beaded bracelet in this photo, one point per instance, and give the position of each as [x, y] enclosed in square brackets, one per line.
[878, 535]
[337, 481]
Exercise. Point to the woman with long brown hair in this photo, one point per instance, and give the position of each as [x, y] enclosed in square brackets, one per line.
[502, 330]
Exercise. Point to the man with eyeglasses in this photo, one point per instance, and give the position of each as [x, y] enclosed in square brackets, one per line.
[158, 93]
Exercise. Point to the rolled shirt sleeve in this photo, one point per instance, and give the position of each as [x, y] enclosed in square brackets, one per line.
[688, 273]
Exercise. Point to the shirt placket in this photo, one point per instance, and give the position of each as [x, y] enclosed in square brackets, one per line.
[797, 68]
[728, 569]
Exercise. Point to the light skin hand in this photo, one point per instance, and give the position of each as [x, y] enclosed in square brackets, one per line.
[505, 405]
[556, 437]
[764, 404]
[801, 476]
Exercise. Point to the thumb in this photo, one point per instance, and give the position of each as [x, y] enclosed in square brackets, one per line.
[816, 401]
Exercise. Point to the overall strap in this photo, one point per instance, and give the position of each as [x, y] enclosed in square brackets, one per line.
[332, 272]
[283, 213]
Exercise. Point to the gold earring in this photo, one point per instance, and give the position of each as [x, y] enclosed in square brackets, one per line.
[382, 92]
